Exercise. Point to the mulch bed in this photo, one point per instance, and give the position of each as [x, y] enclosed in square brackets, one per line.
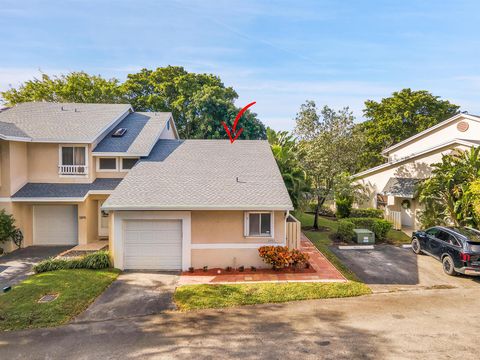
[215, 271]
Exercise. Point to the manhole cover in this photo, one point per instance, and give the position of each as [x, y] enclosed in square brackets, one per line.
[47, 298]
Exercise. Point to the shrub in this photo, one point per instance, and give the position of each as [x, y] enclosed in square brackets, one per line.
[281, 256]
[344, 207]
[345, 230]
[298, 258]
[8, 231]
[367, 213]
[96, 260]
[379, 226]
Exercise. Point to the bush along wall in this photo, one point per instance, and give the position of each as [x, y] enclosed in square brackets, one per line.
[96, 260]
[379, 227]
[366, 213]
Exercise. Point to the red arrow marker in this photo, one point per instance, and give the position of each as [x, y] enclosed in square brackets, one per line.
[234, 134]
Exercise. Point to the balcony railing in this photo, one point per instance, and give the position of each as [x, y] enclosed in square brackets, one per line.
[72, 169]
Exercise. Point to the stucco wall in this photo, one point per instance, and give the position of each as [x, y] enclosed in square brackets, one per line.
[226, 257]
[228, 227]
[438, 137]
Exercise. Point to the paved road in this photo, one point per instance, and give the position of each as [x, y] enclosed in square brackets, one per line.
[133, 294]
[17, 265]
[428, 324]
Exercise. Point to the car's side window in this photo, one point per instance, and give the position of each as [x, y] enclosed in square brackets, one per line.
[432, 232]
[444, 236]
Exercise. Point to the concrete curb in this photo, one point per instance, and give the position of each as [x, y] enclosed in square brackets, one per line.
[356, 247]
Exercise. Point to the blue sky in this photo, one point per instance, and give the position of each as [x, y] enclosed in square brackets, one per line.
[278, 53]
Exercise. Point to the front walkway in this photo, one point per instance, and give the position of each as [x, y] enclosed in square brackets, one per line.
[321, 271]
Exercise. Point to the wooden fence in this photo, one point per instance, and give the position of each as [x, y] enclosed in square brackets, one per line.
[395, 217]
[293, 232]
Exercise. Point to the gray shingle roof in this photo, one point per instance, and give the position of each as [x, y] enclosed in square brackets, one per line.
[64, 190]
[143, 130]
[46, 121]
[203, 174]
[402, 187]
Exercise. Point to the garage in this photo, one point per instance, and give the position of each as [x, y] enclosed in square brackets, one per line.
[153, 244]
[55, 225]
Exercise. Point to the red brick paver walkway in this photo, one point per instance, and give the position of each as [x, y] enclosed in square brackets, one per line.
[321, 270]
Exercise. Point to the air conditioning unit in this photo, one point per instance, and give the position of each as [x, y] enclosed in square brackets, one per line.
[364, 236]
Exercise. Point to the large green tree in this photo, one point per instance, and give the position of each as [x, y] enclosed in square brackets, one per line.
[398, 117]
[199, 102]
[285, 151]
[329, 147]
[450, 194]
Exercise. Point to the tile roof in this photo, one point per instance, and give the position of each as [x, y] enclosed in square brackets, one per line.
[47, 121]
[143, 130]
[64, 190]
[203, 174]
[402, 187]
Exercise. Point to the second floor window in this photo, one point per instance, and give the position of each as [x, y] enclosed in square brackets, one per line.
[74, 160]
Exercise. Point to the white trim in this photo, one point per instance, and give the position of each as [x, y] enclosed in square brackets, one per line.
[97, 161]
[211, 246]
[430, 129]
[15, 138]
[101, 231]
[413, 156]
[60, 157]
[119, 154]
[127, 157]
[198, 207]
[118, 240]
[246, 228]
[58, 199]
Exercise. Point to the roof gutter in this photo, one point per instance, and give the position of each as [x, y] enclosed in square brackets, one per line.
[196, 207]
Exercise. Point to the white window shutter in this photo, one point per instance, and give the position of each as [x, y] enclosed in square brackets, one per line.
[245, 224]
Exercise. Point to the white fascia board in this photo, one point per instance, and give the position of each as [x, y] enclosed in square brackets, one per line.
[48, 199]
[433, 128]
[413, 156]
[196, 207]
[15, 138]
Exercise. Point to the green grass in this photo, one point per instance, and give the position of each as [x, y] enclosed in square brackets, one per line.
[77, 289]
[191, 297]
[396, 237]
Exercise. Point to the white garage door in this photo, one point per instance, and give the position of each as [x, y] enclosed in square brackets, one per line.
[55, 225]
[153, 244]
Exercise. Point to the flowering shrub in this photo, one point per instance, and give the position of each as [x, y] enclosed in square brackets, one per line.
[281, 256]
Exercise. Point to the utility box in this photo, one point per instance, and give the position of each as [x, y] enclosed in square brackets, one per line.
[364, 236]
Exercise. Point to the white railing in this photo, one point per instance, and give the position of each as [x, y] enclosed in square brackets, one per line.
[72, 169]
[395, 217]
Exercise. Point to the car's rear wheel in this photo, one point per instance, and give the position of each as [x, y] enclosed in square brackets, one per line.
[448, 266]
[416, 246]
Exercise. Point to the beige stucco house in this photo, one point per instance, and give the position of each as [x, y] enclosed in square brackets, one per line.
[392, 184]
[79, 173]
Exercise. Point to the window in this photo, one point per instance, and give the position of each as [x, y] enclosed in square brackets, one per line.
[432, 232]
[127, 164]
[259, 224]
[73, 155]
[107, 164]
[73, 160]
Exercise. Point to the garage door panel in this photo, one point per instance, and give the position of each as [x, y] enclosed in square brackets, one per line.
[153, 244]
[55, 225]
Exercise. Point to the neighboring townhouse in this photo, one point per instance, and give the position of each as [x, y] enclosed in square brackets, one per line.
[392, 185]
[77, 173]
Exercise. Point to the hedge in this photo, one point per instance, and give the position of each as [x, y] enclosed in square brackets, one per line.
[345, 230]
[96, 260]
[366, 213]
[379, 227]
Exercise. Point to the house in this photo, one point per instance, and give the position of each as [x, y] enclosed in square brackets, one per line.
[392, 185]
[78, 173]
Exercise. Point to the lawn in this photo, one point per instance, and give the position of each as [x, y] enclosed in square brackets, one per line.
[191, 297]
[76, 289]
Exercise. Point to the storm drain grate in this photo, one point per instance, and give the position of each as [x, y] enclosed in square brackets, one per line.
[47, 298]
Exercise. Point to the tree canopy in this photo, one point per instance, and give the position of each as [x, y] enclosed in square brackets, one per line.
[398, 117]
[198, 102]
[329, 147]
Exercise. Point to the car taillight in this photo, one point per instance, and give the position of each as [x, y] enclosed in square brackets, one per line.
[464, 257]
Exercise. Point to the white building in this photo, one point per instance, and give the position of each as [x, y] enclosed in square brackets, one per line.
[392, 184]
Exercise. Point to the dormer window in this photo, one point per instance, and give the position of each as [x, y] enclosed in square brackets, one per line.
[73, 160]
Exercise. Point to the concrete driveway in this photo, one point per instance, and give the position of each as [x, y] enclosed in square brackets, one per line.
[17, 265]
[133, 294]
[389, 266]
[426, 324]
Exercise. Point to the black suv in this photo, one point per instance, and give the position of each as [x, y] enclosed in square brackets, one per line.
[457, 248]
